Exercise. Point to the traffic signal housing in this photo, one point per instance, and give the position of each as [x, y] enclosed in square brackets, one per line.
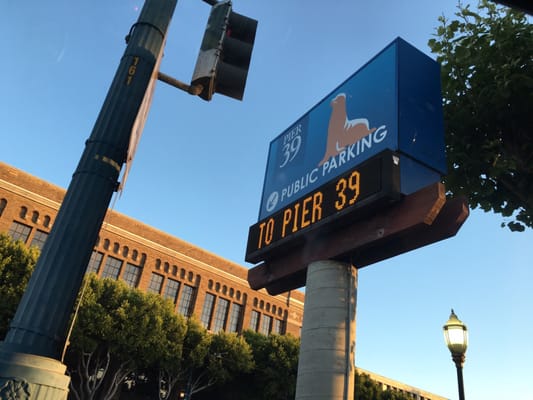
[225, 53]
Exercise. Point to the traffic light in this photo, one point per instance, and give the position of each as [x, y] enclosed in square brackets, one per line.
[224, 58]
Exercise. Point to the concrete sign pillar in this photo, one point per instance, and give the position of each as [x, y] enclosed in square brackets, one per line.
[326, 367]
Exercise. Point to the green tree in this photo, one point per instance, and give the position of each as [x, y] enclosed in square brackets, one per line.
[211, 359]
[365, 388]
[276, 360]
[117, 331]
[195, 351]
[16, 265]
[274, 373]
[487, 87]
[368, 389]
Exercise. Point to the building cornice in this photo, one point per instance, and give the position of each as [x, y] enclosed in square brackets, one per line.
[20, 191]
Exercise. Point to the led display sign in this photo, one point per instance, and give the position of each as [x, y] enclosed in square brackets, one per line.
[329, 166]
[351, 195]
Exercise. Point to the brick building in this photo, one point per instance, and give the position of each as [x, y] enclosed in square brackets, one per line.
[198, 282]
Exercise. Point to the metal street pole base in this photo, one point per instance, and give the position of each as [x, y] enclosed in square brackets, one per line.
[27, 376]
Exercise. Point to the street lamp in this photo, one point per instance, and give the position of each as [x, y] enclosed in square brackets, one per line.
[456, 337]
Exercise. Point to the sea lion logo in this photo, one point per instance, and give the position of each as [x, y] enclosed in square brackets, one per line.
[342, 131]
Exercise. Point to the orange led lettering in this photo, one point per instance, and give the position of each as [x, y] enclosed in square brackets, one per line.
[353, 184]
[317, 206]
[295, 223]
[340, 188]
[350, 185]
[287, 214]
[305, 211]
[269, 231]
[302, 214]
[260, 241]
[266, 228]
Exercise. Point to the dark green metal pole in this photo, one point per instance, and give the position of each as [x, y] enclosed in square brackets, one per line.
[459, 360]
[30, 353]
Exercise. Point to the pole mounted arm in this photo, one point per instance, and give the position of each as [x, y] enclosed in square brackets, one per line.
[195, 90]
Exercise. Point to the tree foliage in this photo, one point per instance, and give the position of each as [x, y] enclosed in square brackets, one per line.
[119, 330]
[211, 359]
[487, 85]
[368, 389]
[273, 376]
[276, 360]
[16, 266]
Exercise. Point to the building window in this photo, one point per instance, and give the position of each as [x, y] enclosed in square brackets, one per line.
[235, 318]
[186, 300]
[38, 239]
[266, 324]
[35, 217]
[221, 315]
[23, 212]
[19, 231]
[278, 327]
[171, 290]
[46, 221]
[207, 311]
[3, 204]
[131, 275]
[155, 283]
[94, 262]
[112, 267]
[254, 320]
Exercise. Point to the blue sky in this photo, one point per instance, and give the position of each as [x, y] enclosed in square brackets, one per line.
[199, 169]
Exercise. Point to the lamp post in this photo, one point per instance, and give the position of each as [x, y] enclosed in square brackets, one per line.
[456, 337]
